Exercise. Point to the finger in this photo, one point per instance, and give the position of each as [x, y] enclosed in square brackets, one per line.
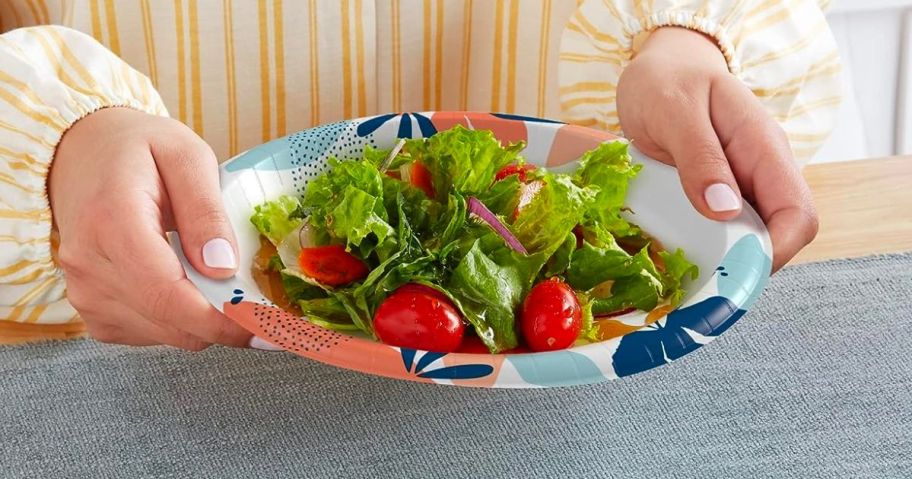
[790, 230]
[160, 291]
[702, 165]
[178, 303]
[116, 323]
[779, 193]
[762, 161]
[189, 170]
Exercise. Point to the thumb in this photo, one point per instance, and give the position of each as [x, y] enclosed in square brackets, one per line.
[702, 166]
[189, 170]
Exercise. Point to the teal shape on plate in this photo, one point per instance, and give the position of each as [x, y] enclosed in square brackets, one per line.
[261, 158]
[744, 271]
[558, 368]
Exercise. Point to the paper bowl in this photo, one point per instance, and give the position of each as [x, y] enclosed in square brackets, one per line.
[733, 256]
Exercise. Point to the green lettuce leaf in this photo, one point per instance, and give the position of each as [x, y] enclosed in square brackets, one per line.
[634, 280]
[462, 160]
[559, 262]
[275, 264]
[609, 169]
[421, 211]
[347, 201]
[503, 196]
[488, 289]
[296, 289]
[639, 291]
[275, 219]
[358, 214]
[327, 312]
[677, 270]
[588, 329]
[593, 265]
[643, 289]
[410, 262]
[452, 224]
[374, 156]
[544, 223]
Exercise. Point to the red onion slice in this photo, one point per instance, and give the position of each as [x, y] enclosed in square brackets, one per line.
[478, 208]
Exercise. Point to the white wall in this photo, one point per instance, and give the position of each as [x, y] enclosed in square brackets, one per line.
[875, 42]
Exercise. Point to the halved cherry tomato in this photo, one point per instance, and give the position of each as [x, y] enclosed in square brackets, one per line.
[419, 317]
[514, 169]
[420, 177]
[551, 316]
[331, 265]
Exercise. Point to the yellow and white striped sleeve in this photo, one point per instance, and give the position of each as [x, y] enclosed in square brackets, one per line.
[782, 49]
[50, 77]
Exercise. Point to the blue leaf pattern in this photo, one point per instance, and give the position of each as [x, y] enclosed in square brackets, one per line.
[741, 276]
[428, 358]
[368, 127]
[668, 339]
[461, 371]
[408, 355]
[405, 127]
[529, 119]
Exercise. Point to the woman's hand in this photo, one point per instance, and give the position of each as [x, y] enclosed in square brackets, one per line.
[679, 104]
[119, 181]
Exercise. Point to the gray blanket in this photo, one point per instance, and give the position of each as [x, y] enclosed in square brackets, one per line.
[815, 381]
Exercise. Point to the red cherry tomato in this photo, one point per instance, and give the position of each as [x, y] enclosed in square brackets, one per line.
[419, 317]
[551, 316]
[420, 288]
[473, 345]
[420, 177]
[331, 265]
[514, 169]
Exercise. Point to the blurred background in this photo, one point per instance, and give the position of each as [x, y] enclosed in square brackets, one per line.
[875, 41]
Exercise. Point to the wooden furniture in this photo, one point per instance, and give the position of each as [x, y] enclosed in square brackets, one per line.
[865, 208]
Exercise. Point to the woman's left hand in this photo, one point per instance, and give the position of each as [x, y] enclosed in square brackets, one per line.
[678, 103]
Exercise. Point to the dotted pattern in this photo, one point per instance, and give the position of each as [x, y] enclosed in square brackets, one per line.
[311, 148]
[295, 334]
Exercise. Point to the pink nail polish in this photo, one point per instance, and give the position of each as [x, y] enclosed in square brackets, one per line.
[721, 197]
[218, 253]
[257, 342]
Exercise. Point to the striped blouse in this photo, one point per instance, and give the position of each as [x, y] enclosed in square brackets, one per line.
[241, 72]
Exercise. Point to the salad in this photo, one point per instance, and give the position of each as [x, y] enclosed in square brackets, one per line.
[451, 238]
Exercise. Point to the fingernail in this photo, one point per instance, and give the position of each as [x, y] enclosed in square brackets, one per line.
[218, 253]
[257, 342]
[720, 197]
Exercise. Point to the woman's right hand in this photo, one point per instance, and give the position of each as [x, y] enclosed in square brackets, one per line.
[121, 179]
